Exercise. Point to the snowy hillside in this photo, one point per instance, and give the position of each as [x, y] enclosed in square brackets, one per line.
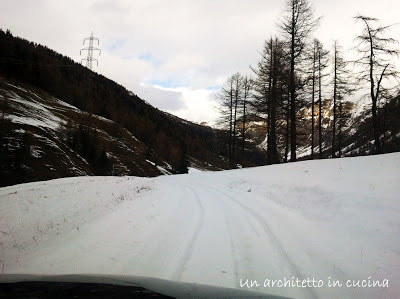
[331, 220]
[43, 138]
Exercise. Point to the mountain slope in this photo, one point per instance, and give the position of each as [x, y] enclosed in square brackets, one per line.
[43, 137]
[170, 138]
[328, 220]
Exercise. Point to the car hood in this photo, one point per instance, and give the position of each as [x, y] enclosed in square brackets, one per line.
[60, 283]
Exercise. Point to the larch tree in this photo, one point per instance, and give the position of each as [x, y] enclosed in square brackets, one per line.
[238, 89]
[314, 82]
[343, 85]
[225, 99]
[230, 99]
[270, 79]
[247, 90]
[296, 24]
[376, 51]
[322, 64]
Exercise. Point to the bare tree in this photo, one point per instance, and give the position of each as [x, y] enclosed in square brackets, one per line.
[322, 64]
[238, 89]
[296, 24]
[342, 86]
[230, 97]
[225, 97]
[375, 50]
[247, 87]
[271, 77]
[314, 79]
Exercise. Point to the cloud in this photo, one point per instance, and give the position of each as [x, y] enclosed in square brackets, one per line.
[115, 7]
[175, 53]
[199, 105]
[162, 98]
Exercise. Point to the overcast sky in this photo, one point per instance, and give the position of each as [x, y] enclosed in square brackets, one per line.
[175, 54]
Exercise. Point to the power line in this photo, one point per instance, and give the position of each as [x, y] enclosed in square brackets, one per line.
[90, 50]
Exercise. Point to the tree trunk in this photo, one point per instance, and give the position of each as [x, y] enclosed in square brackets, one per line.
[292, 94]
[376, 127]
[234, 150]
[340, 130]
[287, 128]
[312, 106]
[334, 105]
[230, 126]
[272, 150]
[320, 105]
[374, 98]
[244, 126]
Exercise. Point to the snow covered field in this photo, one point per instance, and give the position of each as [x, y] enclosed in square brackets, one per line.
[302, 224]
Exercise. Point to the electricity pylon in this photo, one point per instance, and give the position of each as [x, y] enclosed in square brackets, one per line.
[90, 50]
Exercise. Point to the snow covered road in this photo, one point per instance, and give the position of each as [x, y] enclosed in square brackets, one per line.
[317, 221]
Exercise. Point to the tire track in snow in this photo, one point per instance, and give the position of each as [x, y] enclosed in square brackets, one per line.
[160, 255]
[239, 236]
[226, 220]
[233, 251]
[276, 243]
[239, 267]
[189, 249]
